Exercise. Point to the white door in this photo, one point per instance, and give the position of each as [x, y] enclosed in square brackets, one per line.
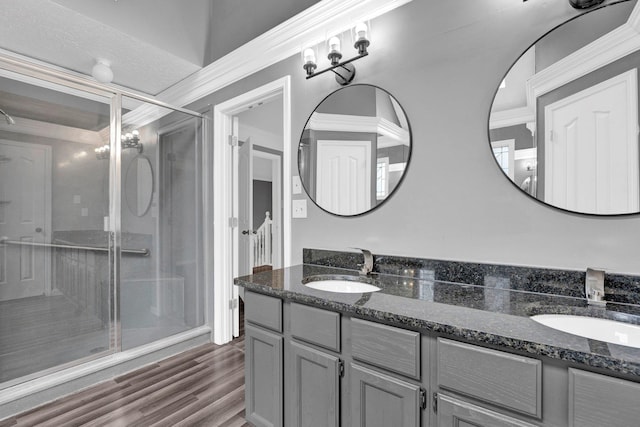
[245, 206]
[343, 175]
[242, 208]
[591, 148]
[23, 220]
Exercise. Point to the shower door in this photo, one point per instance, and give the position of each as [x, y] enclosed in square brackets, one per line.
[161, 294]
[55, 280]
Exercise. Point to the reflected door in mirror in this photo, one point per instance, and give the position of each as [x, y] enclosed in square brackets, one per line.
[591, 148]
[343, 183]
[570, 106]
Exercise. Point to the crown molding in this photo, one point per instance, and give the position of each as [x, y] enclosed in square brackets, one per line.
[367, 124]
[287, 39]
[614, 45]
[512, 117]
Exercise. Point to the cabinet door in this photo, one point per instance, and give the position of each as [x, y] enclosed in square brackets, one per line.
[263, 377]
[457, 413]
[597, 400]
[315, 387]
[379, 400]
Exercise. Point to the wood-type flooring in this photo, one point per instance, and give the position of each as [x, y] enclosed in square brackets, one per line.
[201, 387]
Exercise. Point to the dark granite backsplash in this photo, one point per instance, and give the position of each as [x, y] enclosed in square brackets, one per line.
[618, 288]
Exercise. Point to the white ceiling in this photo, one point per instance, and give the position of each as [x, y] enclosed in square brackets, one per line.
[151, 44]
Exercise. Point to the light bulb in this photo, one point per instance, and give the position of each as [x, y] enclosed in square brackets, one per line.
[135, 133]
[309, 56]
[361, 31]
[334, 45]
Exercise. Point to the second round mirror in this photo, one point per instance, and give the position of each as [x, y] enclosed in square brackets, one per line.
[354, 150]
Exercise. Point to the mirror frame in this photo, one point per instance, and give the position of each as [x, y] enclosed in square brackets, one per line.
[133, 161]
[580, 14]
[404, 173]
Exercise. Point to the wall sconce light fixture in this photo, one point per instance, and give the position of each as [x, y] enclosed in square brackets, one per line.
[129, 140]
[102, 153]
[101, 71]
[345, 71]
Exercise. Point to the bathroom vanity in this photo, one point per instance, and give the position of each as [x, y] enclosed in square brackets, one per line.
[424, 351]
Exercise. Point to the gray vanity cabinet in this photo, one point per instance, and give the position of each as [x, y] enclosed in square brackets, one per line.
[383, 397]
[457, 413]
[264, 347]
[263, 375]
[306, 366]
[380, 400]
[313, 367]
[315, 387]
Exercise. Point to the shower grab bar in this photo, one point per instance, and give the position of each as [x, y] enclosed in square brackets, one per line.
[143, 252]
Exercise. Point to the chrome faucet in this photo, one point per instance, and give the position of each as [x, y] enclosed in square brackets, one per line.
[367, 266]
[594, 287]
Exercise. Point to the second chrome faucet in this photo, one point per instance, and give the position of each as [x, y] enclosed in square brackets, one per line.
[367, 266]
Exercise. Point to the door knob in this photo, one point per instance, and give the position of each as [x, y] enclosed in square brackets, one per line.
[39, 230]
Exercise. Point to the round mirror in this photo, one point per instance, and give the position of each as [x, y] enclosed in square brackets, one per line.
[138, 185]
[563, 125]
[354, 150]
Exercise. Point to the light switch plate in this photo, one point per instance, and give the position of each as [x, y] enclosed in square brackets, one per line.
[299, 208]
[84, 211]
[296, 184]
[76, 199]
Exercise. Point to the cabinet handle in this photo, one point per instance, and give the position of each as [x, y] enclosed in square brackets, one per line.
[423, 398]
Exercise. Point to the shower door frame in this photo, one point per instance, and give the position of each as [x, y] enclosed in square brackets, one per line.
[50, 77]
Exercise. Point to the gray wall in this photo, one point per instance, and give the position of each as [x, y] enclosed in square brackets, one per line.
[442, 61]
[262, 202]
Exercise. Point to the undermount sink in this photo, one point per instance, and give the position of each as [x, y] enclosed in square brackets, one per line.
[340, 283]
[593, 327]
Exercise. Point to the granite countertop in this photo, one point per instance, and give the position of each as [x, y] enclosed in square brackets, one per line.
[495, 315]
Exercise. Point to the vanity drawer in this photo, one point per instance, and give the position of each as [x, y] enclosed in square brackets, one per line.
[510, 381]
[597, 400]
[263, 310]
[391, 348]
[317, 326]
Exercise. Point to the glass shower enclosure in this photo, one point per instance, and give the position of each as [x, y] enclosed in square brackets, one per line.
[100, 223]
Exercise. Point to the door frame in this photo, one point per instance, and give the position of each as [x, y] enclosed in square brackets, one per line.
[224, 248]
[47, 204]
